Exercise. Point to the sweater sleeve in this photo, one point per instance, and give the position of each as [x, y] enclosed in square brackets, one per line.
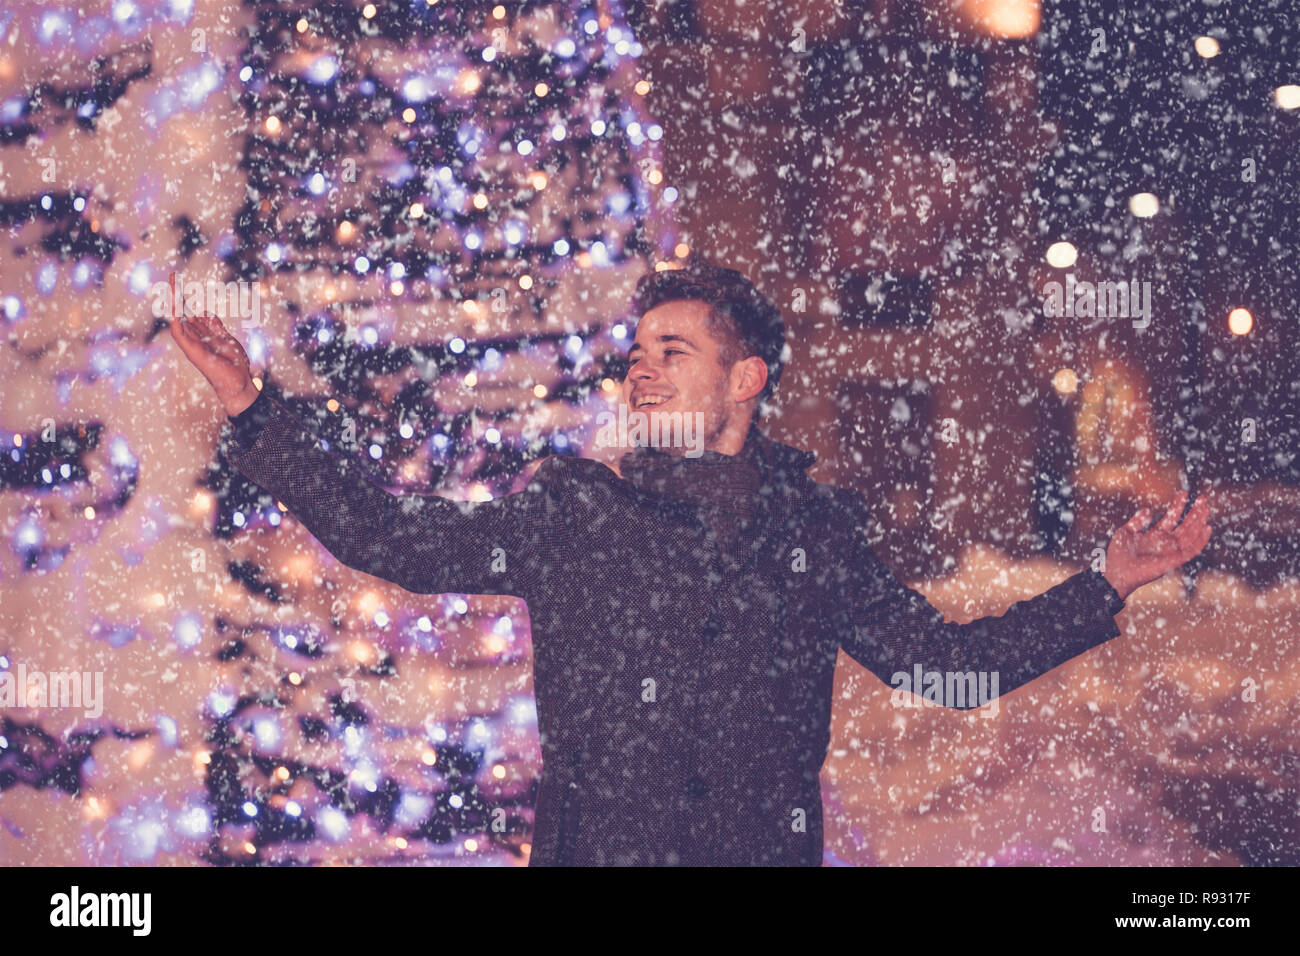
[893, 628]
[248, 424]
[425, 543]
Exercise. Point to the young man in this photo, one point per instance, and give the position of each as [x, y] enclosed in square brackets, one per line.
[686, 615]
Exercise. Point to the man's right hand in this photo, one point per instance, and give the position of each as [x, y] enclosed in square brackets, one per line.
[219, 356]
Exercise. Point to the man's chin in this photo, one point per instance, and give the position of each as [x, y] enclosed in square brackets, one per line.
[664, 427]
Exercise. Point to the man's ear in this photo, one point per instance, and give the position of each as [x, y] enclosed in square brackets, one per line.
[750, 375]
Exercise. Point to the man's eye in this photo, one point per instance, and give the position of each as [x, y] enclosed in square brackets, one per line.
[673, 352]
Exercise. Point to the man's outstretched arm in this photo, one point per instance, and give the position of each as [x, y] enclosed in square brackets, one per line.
[892, 628]
[424, 543]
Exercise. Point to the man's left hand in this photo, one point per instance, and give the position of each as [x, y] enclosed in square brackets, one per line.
[1135, 557]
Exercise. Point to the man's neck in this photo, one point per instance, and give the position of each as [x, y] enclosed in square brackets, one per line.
[730, 440]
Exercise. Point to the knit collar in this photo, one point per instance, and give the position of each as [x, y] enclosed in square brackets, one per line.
[729, 483]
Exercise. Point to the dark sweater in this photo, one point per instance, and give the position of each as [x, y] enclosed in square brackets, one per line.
[249, 423]
[683, 689]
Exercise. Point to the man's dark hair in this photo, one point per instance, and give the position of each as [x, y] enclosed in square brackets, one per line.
[744, 320]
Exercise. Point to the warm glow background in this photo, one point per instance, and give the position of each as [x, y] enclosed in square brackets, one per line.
[1171, 745]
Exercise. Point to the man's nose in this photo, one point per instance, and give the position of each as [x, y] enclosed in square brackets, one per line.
[645, 370]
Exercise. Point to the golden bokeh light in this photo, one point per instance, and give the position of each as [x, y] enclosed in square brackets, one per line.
[1066, 381]
[1143, 205]
[1011, 19]
[1287, 97]
[1062, 255]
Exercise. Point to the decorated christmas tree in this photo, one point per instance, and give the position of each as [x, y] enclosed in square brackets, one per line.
[423, 221]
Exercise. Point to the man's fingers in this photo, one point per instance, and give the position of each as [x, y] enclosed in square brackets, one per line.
[1192, 547]
[1138, 521]
[186, 338]
[1201, 541]
[215, 338]
[217, 327]
[1174, 513]
[201, 346]
[222, 345]
[221, 338]
[232, 352]
[180, 329]
[1190, 532]
[1197, 520]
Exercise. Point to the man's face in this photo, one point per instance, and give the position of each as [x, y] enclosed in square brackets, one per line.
[675, 367]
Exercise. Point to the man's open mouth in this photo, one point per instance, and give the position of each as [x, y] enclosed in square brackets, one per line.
[647, 401]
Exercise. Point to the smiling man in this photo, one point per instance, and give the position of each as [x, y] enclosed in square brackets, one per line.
[687, 611]
[707, 350]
